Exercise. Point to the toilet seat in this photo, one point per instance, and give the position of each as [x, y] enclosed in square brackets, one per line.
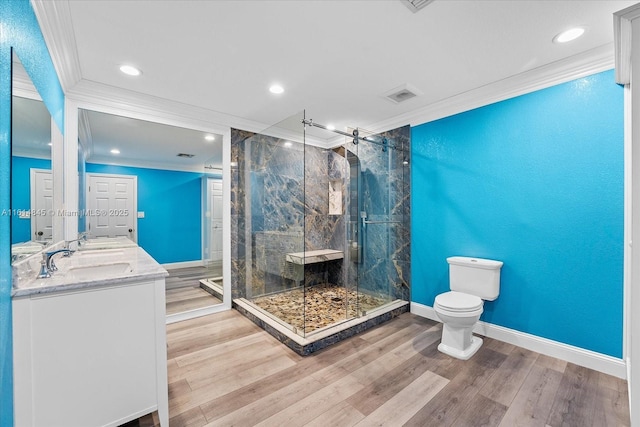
[458, 302]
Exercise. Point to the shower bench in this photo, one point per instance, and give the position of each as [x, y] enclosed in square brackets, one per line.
[296, 261]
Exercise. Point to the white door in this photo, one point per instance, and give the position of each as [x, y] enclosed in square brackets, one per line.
[112, 205]
[41, 204]
[215, 197]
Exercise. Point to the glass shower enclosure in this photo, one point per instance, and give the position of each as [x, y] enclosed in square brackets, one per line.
[321, 223]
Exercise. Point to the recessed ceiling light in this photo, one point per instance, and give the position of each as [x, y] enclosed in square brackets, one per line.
[115, 151]
[331, 127]
[569, 35]
[210, 137]
[130, 70]
[276, 89]
[287, 144]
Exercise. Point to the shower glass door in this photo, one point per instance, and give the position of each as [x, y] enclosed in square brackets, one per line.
[272, 180]
[379, 218]
[327, 300]
[322, 223]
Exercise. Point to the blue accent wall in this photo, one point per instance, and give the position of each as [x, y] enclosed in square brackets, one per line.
[171, 230]
[19, 30]
[21, 194]
[537, 182]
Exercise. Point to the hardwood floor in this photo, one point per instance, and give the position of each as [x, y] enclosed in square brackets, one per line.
[183, 291]
[225, 371]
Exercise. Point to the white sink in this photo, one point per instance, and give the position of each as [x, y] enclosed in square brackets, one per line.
[98, 271]
[107, 243]
[98, 253]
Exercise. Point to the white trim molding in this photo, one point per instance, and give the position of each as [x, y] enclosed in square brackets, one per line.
[587, 358]
[198, 312]
[562, 71]
[622, 41]
[627, 35]
[183, 264]
[55, 22]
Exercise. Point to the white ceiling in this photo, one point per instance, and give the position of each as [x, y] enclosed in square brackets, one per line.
[335, 59]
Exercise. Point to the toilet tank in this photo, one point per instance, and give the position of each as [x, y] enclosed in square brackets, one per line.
[475, 276]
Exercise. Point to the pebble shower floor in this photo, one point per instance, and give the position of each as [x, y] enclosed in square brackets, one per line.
[325, 305]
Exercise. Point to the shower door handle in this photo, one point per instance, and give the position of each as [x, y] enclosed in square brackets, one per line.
[363, 217]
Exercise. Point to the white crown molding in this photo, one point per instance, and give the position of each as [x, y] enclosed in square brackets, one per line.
[622, 40]
[587, 358]
[56, 25]
[92, 95]
[21, 84]
[584, 64]
[31, 153]
[146, 164]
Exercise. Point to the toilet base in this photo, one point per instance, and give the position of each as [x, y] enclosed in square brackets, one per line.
[465, 354]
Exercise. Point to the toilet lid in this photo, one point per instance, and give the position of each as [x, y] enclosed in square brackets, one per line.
[458, 301]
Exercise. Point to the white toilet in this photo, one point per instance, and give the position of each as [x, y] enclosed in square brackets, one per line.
[471, 280]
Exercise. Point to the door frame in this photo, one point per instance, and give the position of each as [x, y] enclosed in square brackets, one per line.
[32, 200]
[206, 232]
[134, 214]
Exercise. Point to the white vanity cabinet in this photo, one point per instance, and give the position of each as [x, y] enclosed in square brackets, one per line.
[92, 355]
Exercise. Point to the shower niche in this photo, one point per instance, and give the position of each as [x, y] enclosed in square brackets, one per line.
[320, 230]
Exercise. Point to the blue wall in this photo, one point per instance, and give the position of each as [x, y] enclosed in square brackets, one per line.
[20, 31]
[537, 182]
[171, 230]
[21, 194]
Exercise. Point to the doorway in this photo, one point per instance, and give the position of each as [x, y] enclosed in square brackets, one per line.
[112, 206]
[42, 205]
[213, 220]
[212, 235]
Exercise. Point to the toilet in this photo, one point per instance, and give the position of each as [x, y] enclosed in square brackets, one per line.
[472, 281]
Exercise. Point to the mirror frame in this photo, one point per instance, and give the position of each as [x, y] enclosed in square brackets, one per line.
[71, 181]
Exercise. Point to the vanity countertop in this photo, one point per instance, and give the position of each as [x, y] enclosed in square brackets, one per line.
[89, 268]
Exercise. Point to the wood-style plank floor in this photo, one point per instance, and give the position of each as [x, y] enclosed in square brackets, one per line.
[225, 371]
[183, 291]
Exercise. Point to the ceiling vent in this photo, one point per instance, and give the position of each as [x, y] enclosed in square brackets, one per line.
[416, 5]
[188, 156]
[402, 93]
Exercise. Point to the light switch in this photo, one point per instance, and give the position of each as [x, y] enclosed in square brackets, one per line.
[141, 214]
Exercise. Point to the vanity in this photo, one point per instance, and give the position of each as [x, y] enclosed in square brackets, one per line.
[90, 341]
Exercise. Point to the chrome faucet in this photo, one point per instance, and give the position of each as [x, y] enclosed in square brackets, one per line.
[44, 272]
[81, 236]
[48, 261]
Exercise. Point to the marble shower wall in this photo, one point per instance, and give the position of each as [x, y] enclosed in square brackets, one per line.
[273, 213]
[385, 189]
[280, 204]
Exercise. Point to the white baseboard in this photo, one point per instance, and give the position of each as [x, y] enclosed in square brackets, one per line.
[579, 356]
[184, 264]
[198, 312]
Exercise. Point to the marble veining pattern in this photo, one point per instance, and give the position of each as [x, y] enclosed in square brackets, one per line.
[141, 267]
[280, 204]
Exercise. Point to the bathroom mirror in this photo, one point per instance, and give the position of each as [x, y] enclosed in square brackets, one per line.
[161, 187]
[32, 189]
